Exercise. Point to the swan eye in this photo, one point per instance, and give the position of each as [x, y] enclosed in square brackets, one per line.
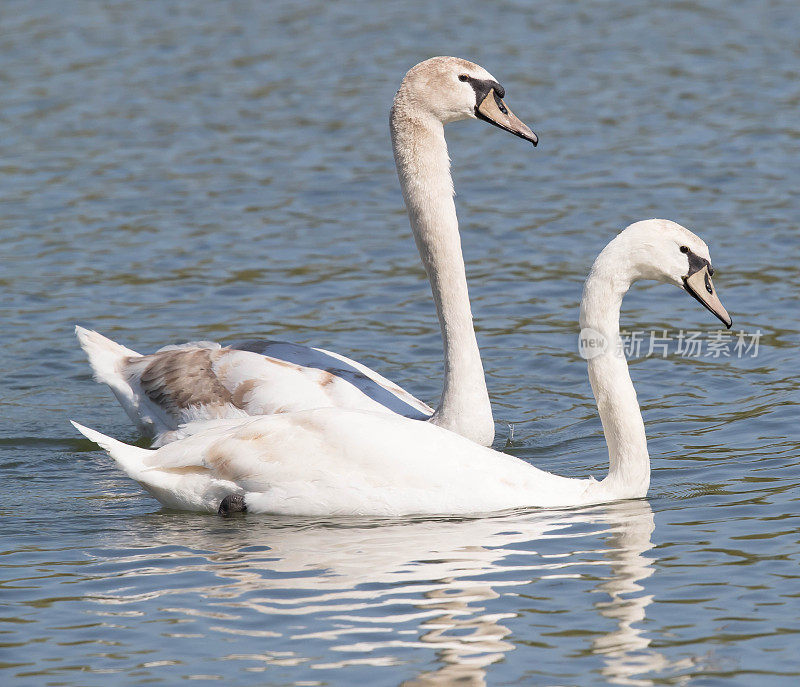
[684, 249]
[462, 77]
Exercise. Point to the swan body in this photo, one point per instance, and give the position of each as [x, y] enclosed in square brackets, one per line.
[201, 380]
[334, 461]
[330, 461]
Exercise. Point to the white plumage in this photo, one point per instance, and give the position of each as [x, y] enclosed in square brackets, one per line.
[334, 461]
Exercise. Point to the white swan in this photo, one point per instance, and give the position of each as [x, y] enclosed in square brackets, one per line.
[335, 461]
[203, 380]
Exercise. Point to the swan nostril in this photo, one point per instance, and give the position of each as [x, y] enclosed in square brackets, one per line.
[709, 288]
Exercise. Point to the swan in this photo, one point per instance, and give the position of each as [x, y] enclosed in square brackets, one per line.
[203, 380]
[335, 461]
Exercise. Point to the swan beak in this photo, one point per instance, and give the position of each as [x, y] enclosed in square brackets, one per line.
[492, 109]
[700, 286]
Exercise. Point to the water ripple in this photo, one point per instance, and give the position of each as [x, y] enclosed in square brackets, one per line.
[172, 173]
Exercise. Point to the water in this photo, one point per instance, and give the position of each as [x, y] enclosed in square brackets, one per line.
[207, 170]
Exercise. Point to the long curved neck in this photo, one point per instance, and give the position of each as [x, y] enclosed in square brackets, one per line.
[629, 462]
[423, 166]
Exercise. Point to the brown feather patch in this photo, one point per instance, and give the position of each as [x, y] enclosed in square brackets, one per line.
[179, 379]
[241, 392]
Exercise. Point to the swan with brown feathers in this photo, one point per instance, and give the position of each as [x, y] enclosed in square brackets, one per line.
[335, 461]
[203, 380]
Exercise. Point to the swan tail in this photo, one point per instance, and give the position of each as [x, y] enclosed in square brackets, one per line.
[111, 365]
[181, 486]
[106, 357]
[129, 458]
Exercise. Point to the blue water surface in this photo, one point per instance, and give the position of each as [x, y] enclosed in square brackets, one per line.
[178, 171]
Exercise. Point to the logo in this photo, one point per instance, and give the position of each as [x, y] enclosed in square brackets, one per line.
[591, 343]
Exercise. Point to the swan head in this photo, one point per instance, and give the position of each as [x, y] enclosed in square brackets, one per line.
[449, 89]
[664, 251]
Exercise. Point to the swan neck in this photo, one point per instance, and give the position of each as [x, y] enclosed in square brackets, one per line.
[423, 167]
[617, 405]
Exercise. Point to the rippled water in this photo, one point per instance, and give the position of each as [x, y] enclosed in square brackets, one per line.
[222, 170]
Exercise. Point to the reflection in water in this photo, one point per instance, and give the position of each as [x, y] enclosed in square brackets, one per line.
[383, 588]
[623, 647]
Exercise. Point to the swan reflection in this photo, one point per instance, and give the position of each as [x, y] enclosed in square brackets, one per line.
[374, 593]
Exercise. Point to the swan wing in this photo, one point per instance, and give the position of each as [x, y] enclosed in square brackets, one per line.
[383, 391]
[202, 380]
